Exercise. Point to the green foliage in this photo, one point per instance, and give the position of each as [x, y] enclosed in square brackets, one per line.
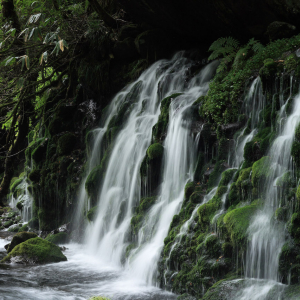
[221, 104]
[260, 171]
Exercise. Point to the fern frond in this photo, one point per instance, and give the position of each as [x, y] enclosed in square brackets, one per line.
[232, 42]
[257, 47]
[217, 44]
[240, 55]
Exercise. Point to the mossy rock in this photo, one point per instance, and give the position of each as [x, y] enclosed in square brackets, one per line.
[189, 189]
[155, 151]
[207, 211]
[47, 220]
[35, 251]
[146, 203]
[20, 238]
[260, 171]
[8, 223]
[269, 69]
[58, 238]
[14, 228]
[281, 214]
[227, 177]
[227, 288]
[227, 249]
[35, 175]
[161, 126]
[15, 184]
[24, 228]
[91, 214]
[19, 205]
[237, 222]
[294, 227]
[92, 183]
[34, 223]
[213, 246]
[66, 144]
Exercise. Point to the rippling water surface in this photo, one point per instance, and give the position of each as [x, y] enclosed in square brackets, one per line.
[81, 277]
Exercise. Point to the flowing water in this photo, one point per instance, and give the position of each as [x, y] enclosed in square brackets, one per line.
[267, 237]
[121, 188]
[80, 278]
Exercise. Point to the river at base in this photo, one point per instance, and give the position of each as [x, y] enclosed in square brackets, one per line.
[80, 278]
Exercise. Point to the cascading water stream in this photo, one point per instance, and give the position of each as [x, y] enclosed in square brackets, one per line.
[267, 238]
[254, 103]
[121, 186]
[179, 163]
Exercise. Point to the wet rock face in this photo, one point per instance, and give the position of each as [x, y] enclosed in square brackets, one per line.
[205, 21]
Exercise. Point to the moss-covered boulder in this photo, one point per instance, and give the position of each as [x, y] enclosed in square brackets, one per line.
[8, 223]
[237, 222]
[227, 176]
[24, 228]
[20, 238]
[66, 143]
[261, 171]
[189, 189]
[58, 238]
[35, 251]
[155, 151]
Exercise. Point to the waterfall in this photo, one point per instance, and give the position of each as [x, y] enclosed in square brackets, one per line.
[120, 189]
[179, 163]
[268, 238]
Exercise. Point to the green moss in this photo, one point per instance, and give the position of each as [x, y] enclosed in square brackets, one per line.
[222, 104]
[36, 250]
[189, 189]
[162, 124]
[281, 214]
[66, 143]
[20, 238]
[155, 151]
[294, 227]
[227, 249]
[213, 246]
[24, 228]
[15, 184]
[91, 214]
[219, 168]
[207, 211]
[8, 223]
[227, 176]
[260, 171]
[58, 238]
[237, 222]
[93, 182]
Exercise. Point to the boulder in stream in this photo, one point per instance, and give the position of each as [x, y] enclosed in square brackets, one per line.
[20, 238]
[35, 251]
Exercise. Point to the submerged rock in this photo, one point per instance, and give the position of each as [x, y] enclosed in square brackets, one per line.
[35, 251]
